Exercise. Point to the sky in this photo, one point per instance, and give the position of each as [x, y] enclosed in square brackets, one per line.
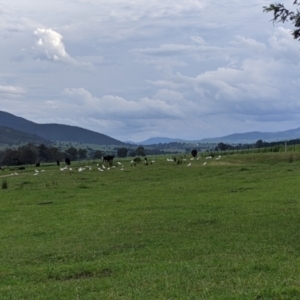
[137, 69]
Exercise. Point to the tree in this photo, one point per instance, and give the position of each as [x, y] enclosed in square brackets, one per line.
[259, 144]
[82, 153]
[281, 14]
[11, 158]
[28, 154]
[122, 152]
[42, 152]
[140, 151]
[222, 146]
[97, 154]
[28, 157]
[72, 153]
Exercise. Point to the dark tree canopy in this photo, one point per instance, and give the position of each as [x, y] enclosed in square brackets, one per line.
[140, 151]
[97, 154]
[122, 152]
[281, 14]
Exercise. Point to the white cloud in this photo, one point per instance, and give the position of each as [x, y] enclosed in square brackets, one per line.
[114, 107]
[50, 46]
[284, 46]
[158, 66]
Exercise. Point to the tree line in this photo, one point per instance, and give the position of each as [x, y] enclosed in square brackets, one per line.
[32, 154]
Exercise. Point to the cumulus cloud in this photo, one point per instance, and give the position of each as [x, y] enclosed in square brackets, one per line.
[283, 46]
[115, 107]
[157, 64]
[50, 46]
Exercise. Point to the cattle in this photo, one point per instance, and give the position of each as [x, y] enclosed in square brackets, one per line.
[108, 158]
[38, 164]
[68, 161]
[194, 152]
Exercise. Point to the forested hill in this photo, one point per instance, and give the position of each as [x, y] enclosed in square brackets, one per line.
[10, 136]
[57, 132]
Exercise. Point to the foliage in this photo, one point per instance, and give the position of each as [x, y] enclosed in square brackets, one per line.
[223, 147]
[97, 154]
[30, 154]
[72, 153]
[122, 152]
[82, 153]
[140, 151]
[281, 14]
[11, 157]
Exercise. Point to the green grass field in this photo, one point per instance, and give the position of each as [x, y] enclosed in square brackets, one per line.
[226, 230]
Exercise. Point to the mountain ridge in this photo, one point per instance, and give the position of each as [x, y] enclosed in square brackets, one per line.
[68, 133]
[56, 132]
[12, 136]
[235, 138]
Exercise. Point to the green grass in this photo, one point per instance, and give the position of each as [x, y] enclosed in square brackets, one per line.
[227, 230]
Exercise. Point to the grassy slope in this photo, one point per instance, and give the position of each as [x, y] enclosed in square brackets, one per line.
[227, 230]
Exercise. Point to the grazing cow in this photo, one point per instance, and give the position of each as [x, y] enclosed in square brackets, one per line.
[68, 161]
[194, 152]
[57, 163]
[108, 158]
[38, 164]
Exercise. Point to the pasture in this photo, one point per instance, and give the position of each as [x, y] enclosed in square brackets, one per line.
[229, 229]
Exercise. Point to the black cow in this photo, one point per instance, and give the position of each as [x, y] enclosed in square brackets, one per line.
[108, 158]
[194, 152]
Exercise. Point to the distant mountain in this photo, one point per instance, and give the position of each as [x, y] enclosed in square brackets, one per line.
[11, 136]
[57, 132]
[235, 138]
[252, 137]
[160, 140]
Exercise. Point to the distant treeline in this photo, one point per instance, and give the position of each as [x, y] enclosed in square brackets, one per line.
[272, 146]
[32, 154]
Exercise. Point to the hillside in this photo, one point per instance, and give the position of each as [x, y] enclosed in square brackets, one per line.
[235, 138]
[57, 132]
[11, 136]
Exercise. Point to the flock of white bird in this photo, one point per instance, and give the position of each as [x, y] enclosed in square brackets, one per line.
[102, 167]
[193, 158]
